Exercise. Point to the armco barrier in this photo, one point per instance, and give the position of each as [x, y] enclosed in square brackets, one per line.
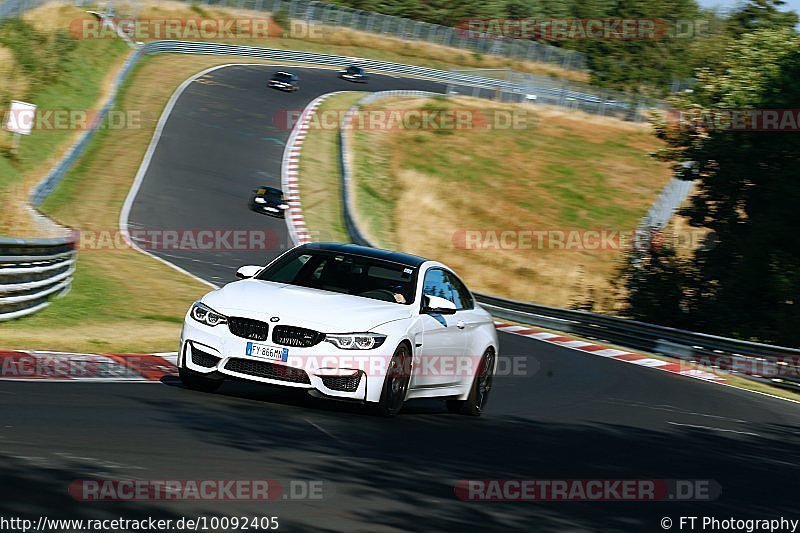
[34, 270]
[31, 271]
[327, 14]
[761, 362]
[557, 95]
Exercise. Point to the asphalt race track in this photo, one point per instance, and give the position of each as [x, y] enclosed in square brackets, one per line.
[569, 415]
[226, 135]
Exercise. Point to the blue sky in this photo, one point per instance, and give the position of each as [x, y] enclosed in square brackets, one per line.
[725, 5]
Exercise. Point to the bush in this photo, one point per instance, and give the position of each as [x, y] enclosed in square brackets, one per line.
[39, 56]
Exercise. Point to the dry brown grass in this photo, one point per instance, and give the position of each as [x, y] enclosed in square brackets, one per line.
[54, 16]
[12, 81]
[568, 172]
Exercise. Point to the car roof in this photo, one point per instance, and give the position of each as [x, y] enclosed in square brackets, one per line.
[284, 73]
[366, 251]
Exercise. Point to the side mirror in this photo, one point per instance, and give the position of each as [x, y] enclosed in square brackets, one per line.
[247, 272]
[435, 305]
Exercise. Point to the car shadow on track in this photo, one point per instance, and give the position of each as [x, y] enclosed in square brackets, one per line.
[404, 471]
[300, 398]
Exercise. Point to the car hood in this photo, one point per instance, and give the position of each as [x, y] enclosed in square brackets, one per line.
[324, 311]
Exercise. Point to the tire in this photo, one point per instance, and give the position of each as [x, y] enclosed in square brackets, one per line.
[479, 392]
[198, 382]
[395, 385]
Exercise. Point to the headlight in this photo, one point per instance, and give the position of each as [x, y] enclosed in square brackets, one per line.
[205, 315]
[355, 341]
[284, 206]
[260, 200]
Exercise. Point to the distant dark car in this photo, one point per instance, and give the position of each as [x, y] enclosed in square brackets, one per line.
[285, 81]
[269, 201]
[354, 73]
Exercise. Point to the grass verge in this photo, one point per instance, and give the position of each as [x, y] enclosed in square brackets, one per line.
[121, 301]
[320, 190]
[82, 81]
[562, 176]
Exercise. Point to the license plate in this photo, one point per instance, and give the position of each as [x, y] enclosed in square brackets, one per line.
[267, 352]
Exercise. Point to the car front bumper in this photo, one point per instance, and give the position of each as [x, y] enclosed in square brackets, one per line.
[338, 374]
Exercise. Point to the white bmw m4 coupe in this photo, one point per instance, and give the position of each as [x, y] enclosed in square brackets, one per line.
[345, 322]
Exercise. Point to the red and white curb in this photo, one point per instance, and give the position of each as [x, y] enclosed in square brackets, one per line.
[290, 171]
[610, 353]
[55, 366]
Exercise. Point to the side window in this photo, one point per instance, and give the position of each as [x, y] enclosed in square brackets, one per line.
[436, 284]
[463, 297]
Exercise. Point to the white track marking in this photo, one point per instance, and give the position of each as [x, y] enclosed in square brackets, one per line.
[695, 426]
[609, 352]
[647, 361]
[325, 431]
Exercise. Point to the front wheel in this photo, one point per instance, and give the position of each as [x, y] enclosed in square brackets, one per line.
[395, 386]
[479, 393]
[198, 382]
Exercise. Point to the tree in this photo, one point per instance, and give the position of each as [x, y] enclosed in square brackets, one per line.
[760, 14]
[656, 285]
[748, 284]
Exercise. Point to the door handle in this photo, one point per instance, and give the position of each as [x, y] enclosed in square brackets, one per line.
[461, 324]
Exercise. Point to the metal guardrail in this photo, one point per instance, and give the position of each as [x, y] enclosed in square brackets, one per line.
[31, 272]
[561, 94]
[313, 12]
[330, 14]
[278, 54]
[777, 365]
[377, 23]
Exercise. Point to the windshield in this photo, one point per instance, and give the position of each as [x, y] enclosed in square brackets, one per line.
[346, 274]
[286, 78]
